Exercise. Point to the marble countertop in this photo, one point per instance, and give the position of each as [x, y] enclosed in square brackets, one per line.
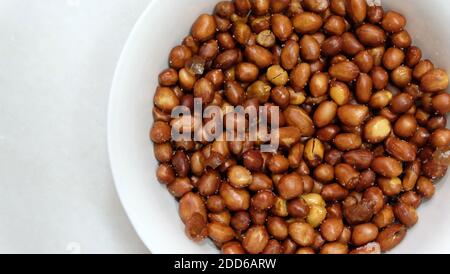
[57, 63]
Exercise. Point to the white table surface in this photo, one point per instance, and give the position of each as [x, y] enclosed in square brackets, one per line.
[57, 59]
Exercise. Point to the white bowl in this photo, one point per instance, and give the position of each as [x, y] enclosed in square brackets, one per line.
[151, 209]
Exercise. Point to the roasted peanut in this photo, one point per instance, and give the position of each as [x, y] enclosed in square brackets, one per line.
[425, 187]
[357, 10]
[290, 54]
[334, 248]
[314, 151]
[334, 192]
[255, 239]
[359, 158]
[233, 247]
[300, 75]
[393, 22]
[380, 78]
[352, 115]
[391, 236]
[307, 22]
[309, 48]
[302, 233]
[364, 233]
[296, 116]
[405, 126]
[331, 229]
[406, 214]
[235, 199]
[387, 167]
[375, 14]
[290, 186]
[344, 71]
[380, 99]
[204, 28]
[401, 150]
[160, 132]
[259, 56]
[281, 26]
[347, 141]
[385, 217]
[277, 75]
[325, 114]
[371, 35]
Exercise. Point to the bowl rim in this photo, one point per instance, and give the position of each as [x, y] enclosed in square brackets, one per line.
[109, 123]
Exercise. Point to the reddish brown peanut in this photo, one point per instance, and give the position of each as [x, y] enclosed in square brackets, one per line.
[278, 228]
[233, 247]
[334, 248]
[425, 187]
[401, 150]
[391, 236]
[290, 54]
[385, 217]
[344, 71]
[259, 56]
[352, 115]
[255, 239]
[239, 176]
[307, 22]
[204, 28]
[364, 233]
[300, 75]
[434, 81]
[387, 167]
[371, 35]
[302, 233]
[331, 229]
[357, 10]
[235, 199]
[297, 117]
[325, 113]
[393, 22]
[377, 129]
[220, 233]
[441, 103]
[281, 26]
[290, 186]
[191, 203]
[359, 158]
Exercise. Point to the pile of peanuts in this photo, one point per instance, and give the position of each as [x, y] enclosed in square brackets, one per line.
[362, 127]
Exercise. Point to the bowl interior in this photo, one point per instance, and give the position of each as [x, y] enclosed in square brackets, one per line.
[151, 209]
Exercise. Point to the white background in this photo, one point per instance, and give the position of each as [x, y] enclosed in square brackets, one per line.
[57, 59]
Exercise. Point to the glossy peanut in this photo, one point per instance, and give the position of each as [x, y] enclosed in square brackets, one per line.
[307, 22]
[357, 10]
[255, 239]
[235, 199]
[302, 233]
[352, 115]
[290, 186]
[371, 35]
[401, 150]
[344, 71]
[364, 233]
[387, 167]
[393, 21]
[259, 56]
[375, 14]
